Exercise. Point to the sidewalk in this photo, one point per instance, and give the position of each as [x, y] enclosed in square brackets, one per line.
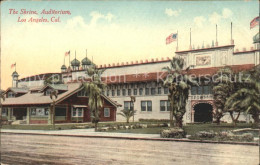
[90, 133]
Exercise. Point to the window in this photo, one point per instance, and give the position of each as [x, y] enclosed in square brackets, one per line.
[152, 91]
[146, 105]
[118, 92]
[107, 92]
[60, 111]
[77, 112]
[140, 91]
[48, 92]
[135, 91]
[106, 112]
[113, 92]
[206, 90]
[166, 90]
[146, 91]
[4, 112]
[124, 92]
[200, 90]
[128, 105]
[164, 105]
[193, 90]
[11, 95]
[129, 92]
[159, 90]
[39, 111]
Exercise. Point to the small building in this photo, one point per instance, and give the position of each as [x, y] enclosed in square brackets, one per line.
[32, 105]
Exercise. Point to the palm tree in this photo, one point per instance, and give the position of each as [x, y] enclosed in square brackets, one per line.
[127, 114]
[94, 90]
[179, 84]
[2, 97]
[224, 87]
[247, 96]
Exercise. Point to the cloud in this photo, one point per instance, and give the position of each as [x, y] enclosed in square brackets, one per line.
[170, 12]
[97, 15]
[75, 22]
[199, 21]
[214, 18]
[226, 13]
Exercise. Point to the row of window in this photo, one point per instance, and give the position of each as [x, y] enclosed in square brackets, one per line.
[78, 112]
[200, 90]
[147, 105]
[140, 91]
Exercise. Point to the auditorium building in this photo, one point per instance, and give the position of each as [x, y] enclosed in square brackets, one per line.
[28, 98]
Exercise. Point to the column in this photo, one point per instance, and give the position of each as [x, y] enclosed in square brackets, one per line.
[49, 116]
[9, 114]
[28, 116]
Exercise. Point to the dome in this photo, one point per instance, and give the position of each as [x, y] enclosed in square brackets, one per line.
[86, 61]
[63, 67]
[75, 62]
[256, 38]
[15, 74]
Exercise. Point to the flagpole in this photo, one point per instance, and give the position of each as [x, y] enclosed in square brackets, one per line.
[69, 58]
[232, 42]
[177, 40]
[216, 35]
[190, 39]
[15, 66]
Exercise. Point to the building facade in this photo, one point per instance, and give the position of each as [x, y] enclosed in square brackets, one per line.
[144, 80]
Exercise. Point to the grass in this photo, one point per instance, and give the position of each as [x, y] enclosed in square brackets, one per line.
[190, 129]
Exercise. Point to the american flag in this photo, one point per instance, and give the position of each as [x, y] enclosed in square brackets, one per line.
[13, 65]
[172, 37]
[67, 53]
[254, 22]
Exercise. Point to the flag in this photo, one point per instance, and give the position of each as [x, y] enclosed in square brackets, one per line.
[172, 37]
[254, 22]
[67, 53]
[13, 65]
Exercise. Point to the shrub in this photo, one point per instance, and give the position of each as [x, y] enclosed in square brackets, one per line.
[154, 120]
[173, 133]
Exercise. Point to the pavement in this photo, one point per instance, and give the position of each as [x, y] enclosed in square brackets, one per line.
[90, 133]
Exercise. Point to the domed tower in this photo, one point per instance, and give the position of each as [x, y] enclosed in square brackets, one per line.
[75, 63]
[15, 76]
[63, 68]
[86, 62]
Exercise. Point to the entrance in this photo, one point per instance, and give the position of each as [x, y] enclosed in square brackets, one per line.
[19, 113]
[203, 112]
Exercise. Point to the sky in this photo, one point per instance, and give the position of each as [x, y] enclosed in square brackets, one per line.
[115, 31]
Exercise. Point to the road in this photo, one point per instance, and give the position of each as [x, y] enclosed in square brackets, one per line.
[34, 149]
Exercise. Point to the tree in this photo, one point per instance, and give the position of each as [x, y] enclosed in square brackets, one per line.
[247, 96]
[94, 90]
[127, 114]
[179, 84]
[53, 96]
[224, 88]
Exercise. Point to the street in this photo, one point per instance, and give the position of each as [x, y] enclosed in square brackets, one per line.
[35, 149]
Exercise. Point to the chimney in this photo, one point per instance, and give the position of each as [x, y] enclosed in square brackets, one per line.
[244, 49]
[152, 60]
[156, 59]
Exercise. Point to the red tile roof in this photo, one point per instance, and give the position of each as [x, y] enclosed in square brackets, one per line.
[154, 76]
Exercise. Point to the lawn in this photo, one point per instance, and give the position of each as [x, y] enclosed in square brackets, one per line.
[191, 129]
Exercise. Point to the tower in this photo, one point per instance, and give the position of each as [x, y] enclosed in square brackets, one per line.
[15, 76]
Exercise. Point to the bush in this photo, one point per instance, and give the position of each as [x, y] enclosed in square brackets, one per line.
[204, 134]
[173, 133]
[154, 120]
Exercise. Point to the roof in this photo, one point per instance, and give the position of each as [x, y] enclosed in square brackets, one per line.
[17, 90]
[42, 76]
[75, 62]
[202, 49]
[59, 87]
[63, 67]
[15, 74]
[86, 61]
[159, 76]
[39, 98]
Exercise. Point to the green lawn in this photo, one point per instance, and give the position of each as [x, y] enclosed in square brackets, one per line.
[190, 129]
